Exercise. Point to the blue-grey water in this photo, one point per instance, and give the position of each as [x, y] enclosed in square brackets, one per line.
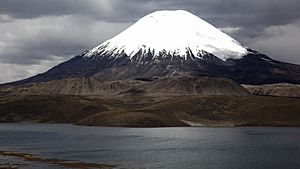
[158, 148]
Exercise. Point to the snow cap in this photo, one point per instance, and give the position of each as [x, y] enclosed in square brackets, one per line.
[175, 31]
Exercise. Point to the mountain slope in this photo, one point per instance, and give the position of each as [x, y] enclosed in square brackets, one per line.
[178, 85]
[253, 68]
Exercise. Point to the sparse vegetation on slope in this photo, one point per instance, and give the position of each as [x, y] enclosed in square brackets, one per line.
[144, 111]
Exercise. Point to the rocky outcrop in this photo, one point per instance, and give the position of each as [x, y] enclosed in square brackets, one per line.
[280, 89]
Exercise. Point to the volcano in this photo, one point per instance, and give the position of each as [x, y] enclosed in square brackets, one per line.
[170, 68]
[164, 45]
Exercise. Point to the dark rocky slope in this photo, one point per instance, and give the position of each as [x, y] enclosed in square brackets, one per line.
[254, 68]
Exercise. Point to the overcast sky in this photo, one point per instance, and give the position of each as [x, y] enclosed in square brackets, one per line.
[38, 34]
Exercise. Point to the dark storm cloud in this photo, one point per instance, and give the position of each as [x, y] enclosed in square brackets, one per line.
[235, 12]
[29, 41]
[39, 8]
[254, 14]
[43, 32]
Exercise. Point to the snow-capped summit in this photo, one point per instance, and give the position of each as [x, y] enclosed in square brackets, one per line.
[175, 32]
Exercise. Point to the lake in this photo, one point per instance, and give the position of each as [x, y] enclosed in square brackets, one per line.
[155, 148]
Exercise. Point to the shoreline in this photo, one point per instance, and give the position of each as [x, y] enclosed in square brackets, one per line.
[190, 126]
[15, 160]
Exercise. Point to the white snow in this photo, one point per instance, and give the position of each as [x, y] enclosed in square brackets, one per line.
[173, 31]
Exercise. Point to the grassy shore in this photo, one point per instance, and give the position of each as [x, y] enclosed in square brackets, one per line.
[162, 111]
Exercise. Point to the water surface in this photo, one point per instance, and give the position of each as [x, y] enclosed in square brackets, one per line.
[155, 148]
